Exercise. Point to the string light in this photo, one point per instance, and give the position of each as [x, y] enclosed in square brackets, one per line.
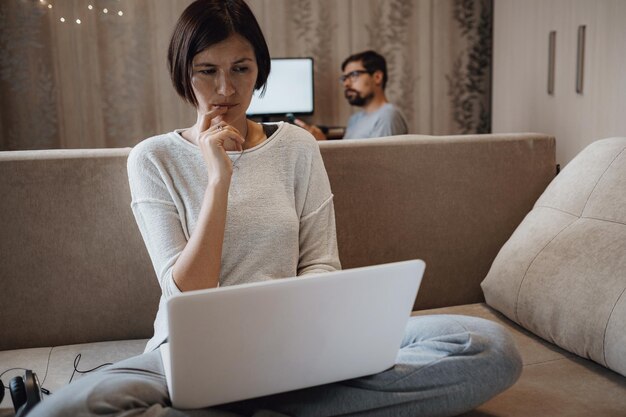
[49, 5]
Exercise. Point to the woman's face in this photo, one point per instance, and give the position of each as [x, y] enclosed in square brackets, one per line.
[224, 75]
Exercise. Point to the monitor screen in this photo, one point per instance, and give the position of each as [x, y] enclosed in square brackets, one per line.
[289, 89]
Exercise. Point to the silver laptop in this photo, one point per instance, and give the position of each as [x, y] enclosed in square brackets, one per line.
[233, 343]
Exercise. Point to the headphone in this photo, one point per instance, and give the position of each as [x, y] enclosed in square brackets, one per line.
[25, 392]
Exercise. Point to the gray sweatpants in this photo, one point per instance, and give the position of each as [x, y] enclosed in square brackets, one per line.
[447, 365]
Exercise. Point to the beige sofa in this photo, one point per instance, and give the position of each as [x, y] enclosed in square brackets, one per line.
[76, 277]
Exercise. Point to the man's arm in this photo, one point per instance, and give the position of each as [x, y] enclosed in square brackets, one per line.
[312, 129]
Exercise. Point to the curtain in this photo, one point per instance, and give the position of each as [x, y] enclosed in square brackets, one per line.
[103, 82]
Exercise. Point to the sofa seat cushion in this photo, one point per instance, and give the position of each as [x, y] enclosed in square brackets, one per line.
[554, 382]
[562, 274]
[54, 365]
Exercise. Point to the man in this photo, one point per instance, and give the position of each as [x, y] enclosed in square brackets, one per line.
[364, 79]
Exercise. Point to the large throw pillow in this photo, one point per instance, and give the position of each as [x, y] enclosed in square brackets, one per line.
[562, 274]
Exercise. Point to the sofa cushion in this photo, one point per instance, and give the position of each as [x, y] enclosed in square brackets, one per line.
[554, 382]
[562, 274]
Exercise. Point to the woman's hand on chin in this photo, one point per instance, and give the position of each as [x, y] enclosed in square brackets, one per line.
[214, 138]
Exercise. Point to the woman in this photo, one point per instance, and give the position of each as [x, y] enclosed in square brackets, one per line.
[229, 201]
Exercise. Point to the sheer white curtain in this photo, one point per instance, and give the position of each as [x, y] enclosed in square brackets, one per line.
[104, 83]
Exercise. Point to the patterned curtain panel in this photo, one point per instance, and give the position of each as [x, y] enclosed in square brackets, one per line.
[74, 76]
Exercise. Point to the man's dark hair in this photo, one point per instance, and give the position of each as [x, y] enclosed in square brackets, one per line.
[205, 23]
[372, 62]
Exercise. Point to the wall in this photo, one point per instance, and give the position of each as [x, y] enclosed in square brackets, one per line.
[103, 83]
[521, 102]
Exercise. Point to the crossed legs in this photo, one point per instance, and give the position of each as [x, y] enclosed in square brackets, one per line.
[447, 365]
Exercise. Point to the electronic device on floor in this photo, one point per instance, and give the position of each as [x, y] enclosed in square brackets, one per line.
[25, 392]
[234, 343]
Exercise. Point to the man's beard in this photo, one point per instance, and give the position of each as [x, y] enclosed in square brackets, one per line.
[357, 99]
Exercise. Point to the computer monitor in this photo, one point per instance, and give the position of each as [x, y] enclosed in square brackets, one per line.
[289, 89]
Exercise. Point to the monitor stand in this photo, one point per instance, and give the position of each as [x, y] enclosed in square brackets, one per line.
[291, 118]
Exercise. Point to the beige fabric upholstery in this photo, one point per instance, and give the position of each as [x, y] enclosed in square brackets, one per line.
[450, 200]
[562, 275]
[76, 270]
[74, 266]
[554, 382]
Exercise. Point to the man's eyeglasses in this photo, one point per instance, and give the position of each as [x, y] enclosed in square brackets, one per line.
[352, 75]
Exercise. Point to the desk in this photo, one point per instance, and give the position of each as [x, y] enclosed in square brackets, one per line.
[335, 132]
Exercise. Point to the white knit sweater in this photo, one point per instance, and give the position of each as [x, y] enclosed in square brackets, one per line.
[280, 220]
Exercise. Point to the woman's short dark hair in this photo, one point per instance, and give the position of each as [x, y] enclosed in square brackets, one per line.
[205, 23]
[372, 62]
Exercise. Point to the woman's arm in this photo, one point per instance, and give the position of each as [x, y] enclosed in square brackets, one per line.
[199, 264]
[181, 261]
[318, 241]
[318, 237]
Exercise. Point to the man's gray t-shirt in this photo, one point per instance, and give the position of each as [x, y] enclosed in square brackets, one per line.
[386, 121]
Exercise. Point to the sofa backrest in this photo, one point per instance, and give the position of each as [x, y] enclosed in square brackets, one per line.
[450, 200]
[74, 267]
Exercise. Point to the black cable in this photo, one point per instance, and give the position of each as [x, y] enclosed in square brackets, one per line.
[45, 375]
[12, 369]
[77, 361]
